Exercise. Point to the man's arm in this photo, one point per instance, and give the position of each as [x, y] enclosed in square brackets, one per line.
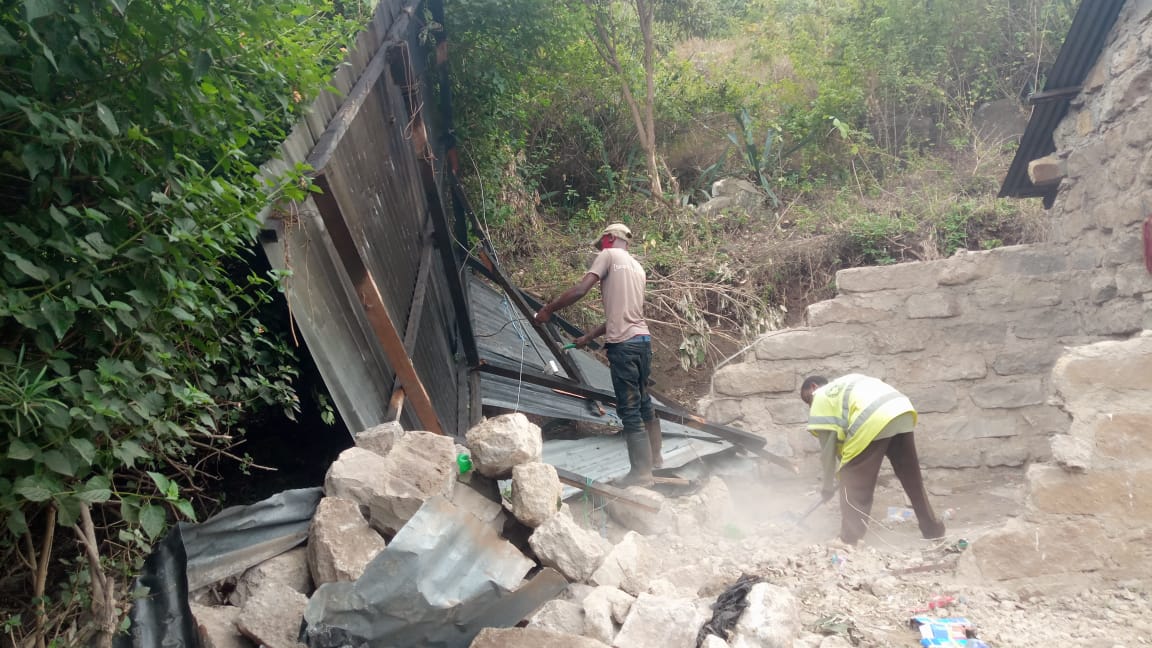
[583, 340]
[570, 296]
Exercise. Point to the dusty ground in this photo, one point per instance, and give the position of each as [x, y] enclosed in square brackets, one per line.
[865, 584]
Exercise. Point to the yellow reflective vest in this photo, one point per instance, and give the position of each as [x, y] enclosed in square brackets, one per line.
[856, 408]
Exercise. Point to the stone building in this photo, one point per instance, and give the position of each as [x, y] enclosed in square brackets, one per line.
[973, 339]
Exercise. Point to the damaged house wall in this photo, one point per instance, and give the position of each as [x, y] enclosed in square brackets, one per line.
[972, 339]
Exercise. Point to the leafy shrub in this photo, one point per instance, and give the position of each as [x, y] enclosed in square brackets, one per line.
[130, 339]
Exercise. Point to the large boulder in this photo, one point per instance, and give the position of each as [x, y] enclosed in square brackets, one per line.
[658, 622]
[771, 620]
[536, 492]
[271, 616]
[570, 549]
[503, 442]
[530, 638]
[340, 542]
[419, 466]
[289, 569]
[216, 626]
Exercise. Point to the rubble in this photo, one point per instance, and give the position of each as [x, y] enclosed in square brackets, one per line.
[340, 542]
[271, 616]
[530, 638]
[605, 609]
[217, 626]
[379, 439]
[625, 566]
[564, 617]
[536, 493]
[658, 622]
[502, 442]
[566, 546]
[771, 620]
[641, 519]
[289, 568]
[419, 465]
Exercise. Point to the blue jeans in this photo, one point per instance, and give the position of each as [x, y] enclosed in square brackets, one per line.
[631, 363]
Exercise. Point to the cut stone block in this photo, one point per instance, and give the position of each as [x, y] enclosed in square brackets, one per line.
[658, 622]
[419, 466]
[271, 617]
[771, 620]
[289, 568]
[626, 566]
[340, 542]
[536, 492]
[380, 438]
[746, 378]
[217, 626]
[502, 442]
[641, 519]
[564, 617]
[801, 345]
[570, 549]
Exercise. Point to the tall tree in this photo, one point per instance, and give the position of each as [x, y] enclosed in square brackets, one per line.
[610, 40]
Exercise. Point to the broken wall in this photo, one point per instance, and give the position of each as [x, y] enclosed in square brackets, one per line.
[972, 339]
[1088, 511]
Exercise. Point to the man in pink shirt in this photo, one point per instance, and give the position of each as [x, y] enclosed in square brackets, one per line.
[627, 343]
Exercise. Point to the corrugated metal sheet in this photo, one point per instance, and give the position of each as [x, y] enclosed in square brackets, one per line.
[502, 334]
[1082, 46]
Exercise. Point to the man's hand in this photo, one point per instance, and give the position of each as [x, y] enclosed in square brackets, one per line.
[582, 341]
[543, 315]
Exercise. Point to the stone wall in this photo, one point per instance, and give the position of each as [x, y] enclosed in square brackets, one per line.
[972, 339]
[1088, 510]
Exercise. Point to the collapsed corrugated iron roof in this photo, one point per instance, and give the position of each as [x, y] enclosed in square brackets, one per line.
[1082, 46]
[504, 335]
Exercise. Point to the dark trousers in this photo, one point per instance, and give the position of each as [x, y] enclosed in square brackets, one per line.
[858, 485]
[631, 363]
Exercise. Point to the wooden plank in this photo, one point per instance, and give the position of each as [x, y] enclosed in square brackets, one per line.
[375, 308]
[607, 490]
[396, 403]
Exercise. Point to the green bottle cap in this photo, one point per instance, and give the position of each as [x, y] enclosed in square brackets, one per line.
[464, 462]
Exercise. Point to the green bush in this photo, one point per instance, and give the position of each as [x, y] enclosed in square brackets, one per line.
[131, 342]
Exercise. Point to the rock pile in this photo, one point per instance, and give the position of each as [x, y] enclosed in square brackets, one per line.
[374, 488]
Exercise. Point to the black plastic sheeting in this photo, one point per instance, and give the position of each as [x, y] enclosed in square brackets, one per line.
[196, 555]
[727, 609]
[162, 618]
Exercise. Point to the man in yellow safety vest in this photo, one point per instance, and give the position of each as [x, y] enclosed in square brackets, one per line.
[861, 420]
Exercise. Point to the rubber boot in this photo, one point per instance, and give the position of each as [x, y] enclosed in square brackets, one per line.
[655, 440]
[640, 456]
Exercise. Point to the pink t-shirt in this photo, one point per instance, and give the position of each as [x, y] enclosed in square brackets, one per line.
[622, 287]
